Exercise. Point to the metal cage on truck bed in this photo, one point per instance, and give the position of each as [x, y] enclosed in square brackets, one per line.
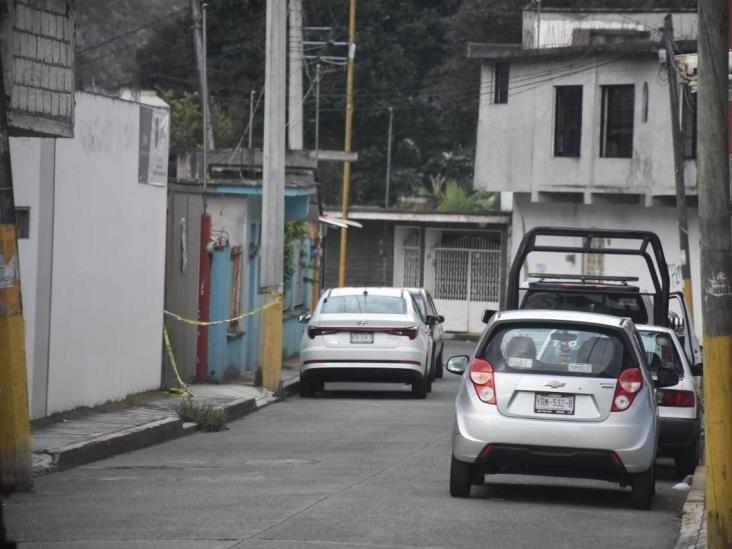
[598, 293]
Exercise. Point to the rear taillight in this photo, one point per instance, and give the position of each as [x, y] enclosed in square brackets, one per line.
[481, 375]
[314, 331]
[628, 386]
[410, 332]
[677, 399]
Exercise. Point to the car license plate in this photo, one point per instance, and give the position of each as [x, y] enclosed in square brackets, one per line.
[362, 337]
[553, 403]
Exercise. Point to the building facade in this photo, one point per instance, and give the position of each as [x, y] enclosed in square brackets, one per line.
[575, 130]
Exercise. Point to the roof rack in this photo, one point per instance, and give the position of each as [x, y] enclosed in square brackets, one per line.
[585, 277]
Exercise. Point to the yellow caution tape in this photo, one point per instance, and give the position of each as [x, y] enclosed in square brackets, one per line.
[228, 320]
[184, 391]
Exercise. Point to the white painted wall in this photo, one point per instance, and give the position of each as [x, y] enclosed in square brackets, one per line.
[555, 28]
[25, 155]
[661, 220]
[109, 261]
[515, 143]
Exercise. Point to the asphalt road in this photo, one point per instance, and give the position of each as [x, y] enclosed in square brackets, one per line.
[346, 470]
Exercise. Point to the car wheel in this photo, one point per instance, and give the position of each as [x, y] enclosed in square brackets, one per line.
[461, 478]
[307, 388]
[429, 385]
[687, 459]
[419, 388]
[438, 366]
[644, 488]
[431, 373]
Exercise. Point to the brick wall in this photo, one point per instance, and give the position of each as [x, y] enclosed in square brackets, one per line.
[38, 58]
[370, 259]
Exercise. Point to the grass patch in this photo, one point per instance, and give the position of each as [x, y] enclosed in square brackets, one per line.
[207, 417]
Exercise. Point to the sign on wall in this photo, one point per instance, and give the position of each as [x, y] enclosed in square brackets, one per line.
[154, 141]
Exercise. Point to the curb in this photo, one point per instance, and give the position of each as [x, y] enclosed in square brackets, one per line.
[141, 436]
[693, 525]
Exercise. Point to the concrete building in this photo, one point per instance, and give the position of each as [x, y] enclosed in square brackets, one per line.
[92, 253]
[574, 130]
[233, 254]
[459, 257]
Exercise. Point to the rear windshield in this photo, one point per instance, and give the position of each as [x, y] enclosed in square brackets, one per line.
[661, 351]
[556, 349]
[630, 306]
[369, 304]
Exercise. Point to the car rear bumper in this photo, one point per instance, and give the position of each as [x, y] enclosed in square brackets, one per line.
[552, 461]
[675, 432]
[386, 372]
[631, 434]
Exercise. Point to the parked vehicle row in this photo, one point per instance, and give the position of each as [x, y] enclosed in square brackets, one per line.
[583, 378]
[372, 334]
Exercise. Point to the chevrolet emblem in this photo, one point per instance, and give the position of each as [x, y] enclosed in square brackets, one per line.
[555, 384]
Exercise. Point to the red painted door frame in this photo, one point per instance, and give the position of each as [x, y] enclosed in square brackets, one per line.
[204, 295]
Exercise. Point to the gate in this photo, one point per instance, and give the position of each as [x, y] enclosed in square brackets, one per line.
[467, 279]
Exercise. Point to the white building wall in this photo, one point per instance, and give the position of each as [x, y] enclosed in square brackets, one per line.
[515, 143]
[25, 157]
[109, 262]
[661, 220]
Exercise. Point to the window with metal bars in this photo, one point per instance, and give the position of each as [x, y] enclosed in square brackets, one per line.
[568, 121]
[500, 79]
[616, 137]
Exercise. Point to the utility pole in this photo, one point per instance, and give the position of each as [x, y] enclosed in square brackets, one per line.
[197, 7]
[251, 120]
[673, 94]
[15, 439]
[273, 191]
[388, 157]
[200, 12]
[294, 126]
[347, 147]
[318, 76]
[716, 265]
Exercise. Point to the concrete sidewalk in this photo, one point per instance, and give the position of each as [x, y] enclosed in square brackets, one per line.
[693, 534]
[83, 436]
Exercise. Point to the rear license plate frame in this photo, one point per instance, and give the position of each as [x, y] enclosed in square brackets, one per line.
[362, 338]
[543, 408]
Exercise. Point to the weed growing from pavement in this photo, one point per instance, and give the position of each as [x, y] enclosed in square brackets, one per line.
[208, 417]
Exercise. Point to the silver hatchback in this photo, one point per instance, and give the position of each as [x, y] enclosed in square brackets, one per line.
[557, 393]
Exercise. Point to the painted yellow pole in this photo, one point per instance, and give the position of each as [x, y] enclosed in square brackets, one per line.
[15, 447]
[347, 147]
[716, 266]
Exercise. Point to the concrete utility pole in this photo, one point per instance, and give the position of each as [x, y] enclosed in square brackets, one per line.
[673, 94]
[294, 127]
[318, 76]
[273, 191]
[347, 147]
[388, 157]
[716, 265]
[15, 439]
[198, 31]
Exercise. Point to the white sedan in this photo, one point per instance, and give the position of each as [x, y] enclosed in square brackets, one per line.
[365, 334]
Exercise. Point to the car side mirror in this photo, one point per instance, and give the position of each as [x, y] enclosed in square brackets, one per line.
[458, 364]
[432, 320]
[442, 318]
[487, 315]
[697, 369]
[666, 377]
[304, 318]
